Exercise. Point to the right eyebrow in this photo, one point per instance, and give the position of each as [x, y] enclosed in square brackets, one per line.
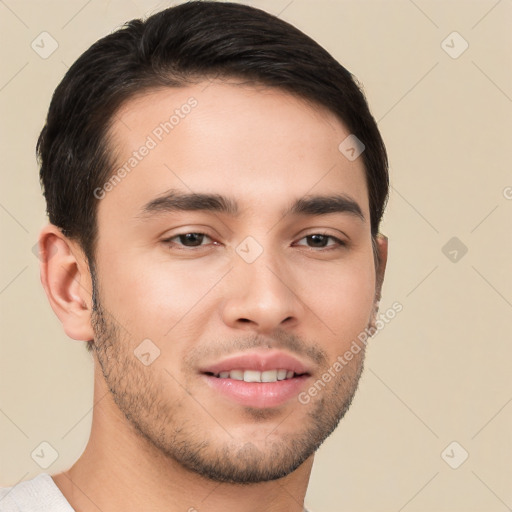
[174, 200]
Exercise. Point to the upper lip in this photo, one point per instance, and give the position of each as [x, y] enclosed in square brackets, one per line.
[260, 361]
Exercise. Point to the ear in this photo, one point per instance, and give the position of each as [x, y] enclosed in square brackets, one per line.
[381, 258]
[67, 282]
[381, 242]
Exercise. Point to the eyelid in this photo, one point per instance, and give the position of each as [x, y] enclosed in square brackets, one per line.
[337, 234]
[186, 229]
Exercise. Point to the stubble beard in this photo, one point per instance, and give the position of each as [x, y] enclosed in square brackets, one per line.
[180, 429]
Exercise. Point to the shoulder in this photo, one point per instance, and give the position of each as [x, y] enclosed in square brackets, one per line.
[40, 494]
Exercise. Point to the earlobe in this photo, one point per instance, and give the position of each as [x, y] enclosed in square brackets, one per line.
[67, 282]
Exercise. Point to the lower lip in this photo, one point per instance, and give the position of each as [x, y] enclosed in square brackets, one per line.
[261, 395]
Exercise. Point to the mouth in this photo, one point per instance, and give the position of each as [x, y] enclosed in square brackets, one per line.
[257, 376]
[257, 379]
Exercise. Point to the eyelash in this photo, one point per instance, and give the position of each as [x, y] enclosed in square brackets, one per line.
[337, 245]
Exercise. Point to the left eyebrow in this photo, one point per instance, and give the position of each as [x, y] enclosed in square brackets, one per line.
[324, 205]
[174, 200]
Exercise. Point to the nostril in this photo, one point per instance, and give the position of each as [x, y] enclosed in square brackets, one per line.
[245, 320]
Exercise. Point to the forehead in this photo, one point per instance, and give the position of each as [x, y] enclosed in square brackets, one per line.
[261, 145]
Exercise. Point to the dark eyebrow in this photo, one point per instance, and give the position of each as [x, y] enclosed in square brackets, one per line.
[174, 200]
[323, 205]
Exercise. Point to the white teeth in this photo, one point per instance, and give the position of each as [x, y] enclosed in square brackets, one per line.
[236, 374]
[269, 376]
[252, 376]
[256, 376]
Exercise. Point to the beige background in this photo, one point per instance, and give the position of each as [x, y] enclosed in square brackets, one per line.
[440, 371]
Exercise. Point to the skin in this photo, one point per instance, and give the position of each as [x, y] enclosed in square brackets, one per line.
[265, 149]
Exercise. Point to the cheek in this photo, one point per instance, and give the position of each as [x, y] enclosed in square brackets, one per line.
[342, 297]
[152, 297]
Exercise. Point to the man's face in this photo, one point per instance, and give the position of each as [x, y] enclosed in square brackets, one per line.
[258, 287]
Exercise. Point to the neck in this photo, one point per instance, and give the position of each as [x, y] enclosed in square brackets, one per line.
[121, 471]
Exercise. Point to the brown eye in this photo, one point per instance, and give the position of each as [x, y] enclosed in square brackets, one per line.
[321, 241]
[317, 240]
[188, 239]
[191, 239]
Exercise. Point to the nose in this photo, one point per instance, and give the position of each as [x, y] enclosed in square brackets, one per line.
[261, 296]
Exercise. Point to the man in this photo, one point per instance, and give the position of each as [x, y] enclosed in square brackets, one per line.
[214, 183]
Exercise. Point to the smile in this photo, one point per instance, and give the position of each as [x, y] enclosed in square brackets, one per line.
[257, 376]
